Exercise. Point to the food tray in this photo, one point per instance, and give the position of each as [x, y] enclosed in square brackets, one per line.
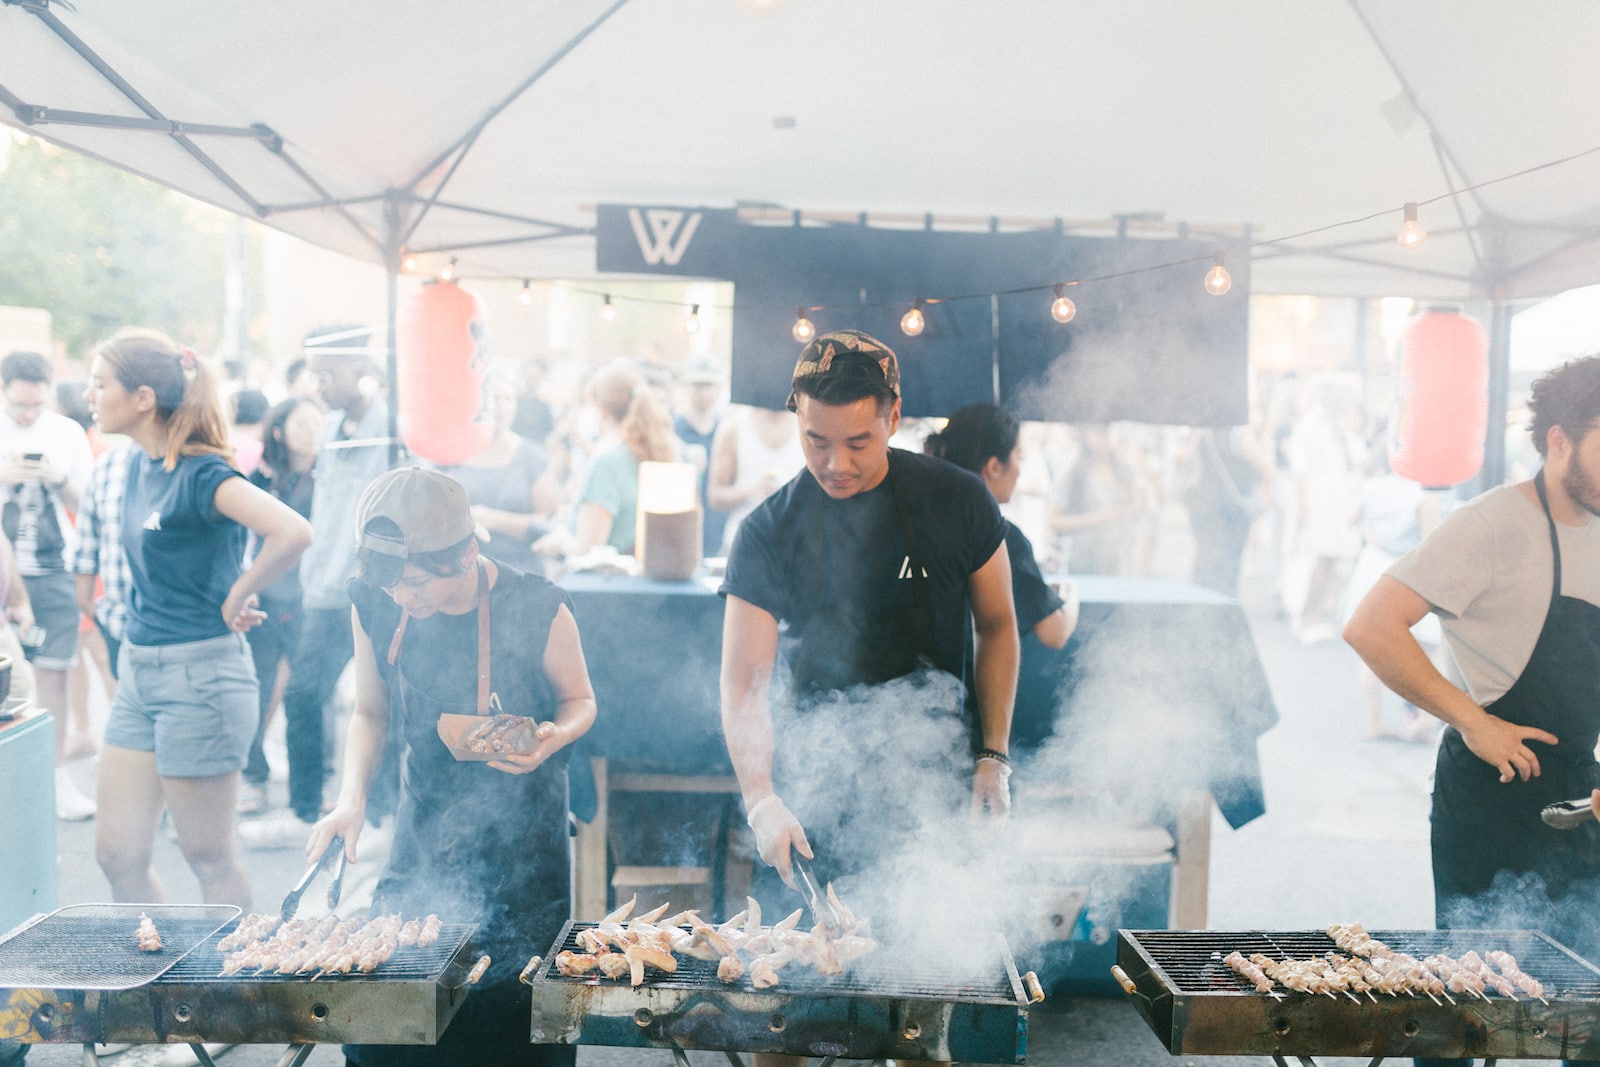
[453, 731]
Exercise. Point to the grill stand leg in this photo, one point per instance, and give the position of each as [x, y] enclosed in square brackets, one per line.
[293, 1056]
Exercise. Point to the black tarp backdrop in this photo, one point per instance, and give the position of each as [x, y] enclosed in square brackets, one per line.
[1149, 345]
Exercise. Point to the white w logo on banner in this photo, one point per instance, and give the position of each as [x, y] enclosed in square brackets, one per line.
[669, 233]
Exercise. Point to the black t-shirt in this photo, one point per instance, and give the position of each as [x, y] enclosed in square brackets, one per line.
[837, 575]
[1033, 597]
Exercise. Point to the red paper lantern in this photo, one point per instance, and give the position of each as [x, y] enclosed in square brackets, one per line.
[1442, 410]
[444, 416]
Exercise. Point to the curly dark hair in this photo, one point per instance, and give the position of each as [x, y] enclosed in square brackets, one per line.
[1568, 397]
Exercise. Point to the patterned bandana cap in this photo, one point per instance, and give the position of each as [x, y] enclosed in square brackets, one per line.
[846, 350]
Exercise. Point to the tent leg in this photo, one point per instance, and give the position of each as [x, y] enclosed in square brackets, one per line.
[391, 267]
[1494, 445]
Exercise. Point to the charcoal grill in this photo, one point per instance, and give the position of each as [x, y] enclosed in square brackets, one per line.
[1198, 1006]
[883, 1006]
[410, 999]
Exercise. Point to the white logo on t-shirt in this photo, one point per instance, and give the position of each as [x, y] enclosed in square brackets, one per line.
[905, 569]
[153, 522]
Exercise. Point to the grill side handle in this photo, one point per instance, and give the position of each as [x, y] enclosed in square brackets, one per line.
[526, 977]
[476, 972]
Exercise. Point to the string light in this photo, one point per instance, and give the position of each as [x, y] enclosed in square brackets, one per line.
[912, 322]
[692, 323]
[803, 329]
[1062, 309]
[409, 264]
[449, 271]
[526, 296]
[608, 310]
[1218, 280]
[1411, 232]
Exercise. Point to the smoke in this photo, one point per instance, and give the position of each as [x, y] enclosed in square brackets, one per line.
[881, 779]
[1158, 705]
[1525, 902]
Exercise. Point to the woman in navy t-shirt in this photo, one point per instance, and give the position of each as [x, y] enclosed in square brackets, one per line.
[185, 708]
[983, 439]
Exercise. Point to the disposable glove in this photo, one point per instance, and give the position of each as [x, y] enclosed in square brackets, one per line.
[777, 831]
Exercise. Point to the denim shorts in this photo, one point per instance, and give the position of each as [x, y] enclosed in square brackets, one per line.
[194, 705]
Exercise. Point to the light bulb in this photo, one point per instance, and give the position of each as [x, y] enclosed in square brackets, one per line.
[526, 296]
[1218, 280]
[803, 329]
[1411, 232]
[1062, 309]
[409, 264]
[608, 310]
[912, 322]
[449, 271]
[692, 323]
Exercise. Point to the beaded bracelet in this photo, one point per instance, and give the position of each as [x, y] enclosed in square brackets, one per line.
[994, 754]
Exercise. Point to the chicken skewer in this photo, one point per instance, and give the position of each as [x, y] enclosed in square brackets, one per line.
[1508, 967]
[1251, 973]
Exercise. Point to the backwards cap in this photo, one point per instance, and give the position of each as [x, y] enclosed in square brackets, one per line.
[846, 352]
[430, 509]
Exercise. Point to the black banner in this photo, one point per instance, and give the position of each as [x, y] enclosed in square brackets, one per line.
[1148, 345]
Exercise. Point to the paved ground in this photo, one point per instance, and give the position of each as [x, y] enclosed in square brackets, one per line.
[1344, 838]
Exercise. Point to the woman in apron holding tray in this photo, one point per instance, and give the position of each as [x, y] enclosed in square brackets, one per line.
[443, 634]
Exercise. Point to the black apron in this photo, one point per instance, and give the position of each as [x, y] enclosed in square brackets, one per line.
[1483, 828]
[499, 856]
[868, 792]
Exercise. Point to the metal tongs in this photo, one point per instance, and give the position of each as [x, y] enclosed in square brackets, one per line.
[1568, 814]
[335, 853]
[823, 913]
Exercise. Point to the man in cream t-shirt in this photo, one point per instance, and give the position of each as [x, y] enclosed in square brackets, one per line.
[1514, 577]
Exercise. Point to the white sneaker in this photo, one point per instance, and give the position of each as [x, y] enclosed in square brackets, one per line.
[71, 803]
[277, 829]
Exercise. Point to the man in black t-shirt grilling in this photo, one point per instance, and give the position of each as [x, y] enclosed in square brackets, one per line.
[872, 570]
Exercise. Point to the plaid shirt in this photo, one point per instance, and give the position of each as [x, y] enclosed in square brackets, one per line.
[99, 540]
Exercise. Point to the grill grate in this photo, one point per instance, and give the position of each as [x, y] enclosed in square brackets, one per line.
[884, 973]
[92, 946]
[408, 964]
[1192, 959]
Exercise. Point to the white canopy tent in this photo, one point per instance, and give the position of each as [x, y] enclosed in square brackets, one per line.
[486, 132]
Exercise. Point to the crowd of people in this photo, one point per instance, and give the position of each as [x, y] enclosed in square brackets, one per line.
[1300, 495]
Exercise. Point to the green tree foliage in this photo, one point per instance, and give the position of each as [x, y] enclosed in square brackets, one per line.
[100, 248]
